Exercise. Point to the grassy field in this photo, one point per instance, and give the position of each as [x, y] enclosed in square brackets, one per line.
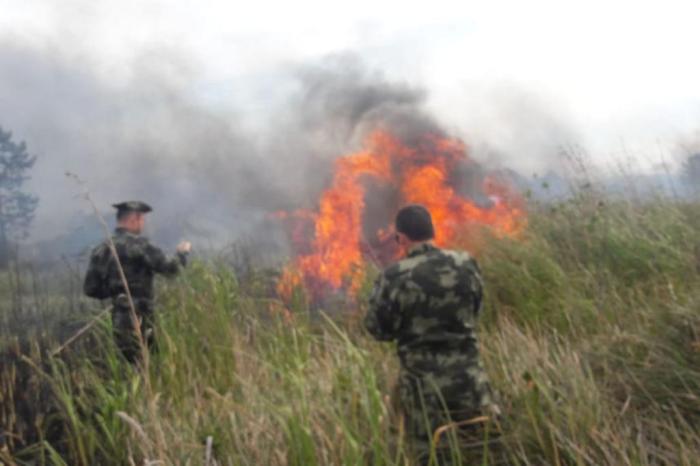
[590, 334]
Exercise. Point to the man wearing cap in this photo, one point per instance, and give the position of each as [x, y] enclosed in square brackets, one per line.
[428, 303]
[140, 261]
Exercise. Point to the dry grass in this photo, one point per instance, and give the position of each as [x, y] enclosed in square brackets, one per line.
[590, 336]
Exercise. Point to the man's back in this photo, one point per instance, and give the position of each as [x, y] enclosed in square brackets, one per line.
[428, 301]
[140, 261]
[438, 296]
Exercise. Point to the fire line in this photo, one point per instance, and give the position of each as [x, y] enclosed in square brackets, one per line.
[332, 240]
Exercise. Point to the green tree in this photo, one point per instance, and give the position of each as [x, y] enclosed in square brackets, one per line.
[16, 206]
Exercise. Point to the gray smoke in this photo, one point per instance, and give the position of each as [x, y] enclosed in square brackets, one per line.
[210, 176]
[338, 103]
[144, 139]
[150, 138]
[345, 100]
[510, 126]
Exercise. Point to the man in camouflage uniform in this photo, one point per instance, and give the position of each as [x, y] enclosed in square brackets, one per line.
[140, 260]
[428, 303]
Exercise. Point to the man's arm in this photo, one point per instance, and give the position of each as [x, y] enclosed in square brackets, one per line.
[94, 285]
[160, 263]
[383, 319]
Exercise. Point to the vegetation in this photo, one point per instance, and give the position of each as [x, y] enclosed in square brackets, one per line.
[691, 170]
[591, 335]
[16, 206]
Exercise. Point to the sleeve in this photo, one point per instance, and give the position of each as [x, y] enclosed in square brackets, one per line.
[95, 285]
[383, 318]
[156, 259]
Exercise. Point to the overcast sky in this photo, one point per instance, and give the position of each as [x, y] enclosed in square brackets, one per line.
[515, 79]
[616, 72]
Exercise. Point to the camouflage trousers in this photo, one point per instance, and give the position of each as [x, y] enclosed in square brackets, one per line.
[442, 397]
[124, 329]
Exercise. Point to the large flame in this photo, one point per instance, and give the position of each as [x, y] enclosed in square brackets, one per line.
[423, 174]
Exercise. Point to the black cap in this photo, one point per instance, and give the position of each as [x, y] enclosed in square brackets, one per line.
[415, 222]
[132, 206]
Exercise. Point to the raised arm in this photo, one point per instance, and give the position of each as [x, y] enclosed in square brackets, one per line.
[156, 259]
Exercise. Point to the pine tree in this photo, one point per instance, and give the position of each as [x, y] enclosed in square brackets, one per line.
[16, 206]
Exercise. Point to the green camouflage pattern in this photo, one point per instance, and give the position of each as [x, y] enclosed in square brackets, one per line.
[428, 303]
[140, 261]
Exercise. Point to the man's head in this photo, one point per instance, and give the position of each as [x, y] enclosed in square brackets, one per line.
[414, 225]
[131, 215]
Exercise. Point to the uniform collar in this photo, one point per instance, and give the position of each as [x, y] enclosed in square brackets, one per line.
[422, 248]
[122, 231]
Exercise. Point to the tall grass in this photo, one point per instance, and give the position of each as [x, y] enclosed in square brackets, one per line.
[590, 334]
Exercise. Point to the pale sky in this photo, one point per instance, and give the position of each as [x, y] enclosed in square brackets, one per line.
[612, 74]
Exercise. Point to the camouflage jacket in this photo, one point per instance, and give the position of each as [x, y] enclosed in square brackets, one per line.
[140, 261]
[428, 301]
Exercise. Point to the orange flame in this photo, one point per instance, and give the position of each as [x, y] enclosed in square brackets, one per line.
[335, 258]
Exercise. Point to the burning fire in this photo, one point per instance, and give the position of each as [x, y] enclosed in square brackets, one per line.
[425, 174]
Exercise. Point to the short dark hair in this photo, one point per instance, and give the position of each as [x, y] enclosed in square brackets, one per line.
[415, 222]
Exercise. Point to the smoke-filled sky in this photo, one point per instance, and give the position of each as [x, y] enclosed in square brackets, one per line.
[234, 108]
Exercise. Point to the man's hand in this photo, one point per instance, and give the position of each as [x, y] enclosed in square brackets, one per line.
[184, 247]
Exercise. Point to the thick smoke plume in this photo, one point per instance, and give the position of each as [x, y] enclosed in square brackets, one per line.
[209, 177]
[150, 138]
[142, 139]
